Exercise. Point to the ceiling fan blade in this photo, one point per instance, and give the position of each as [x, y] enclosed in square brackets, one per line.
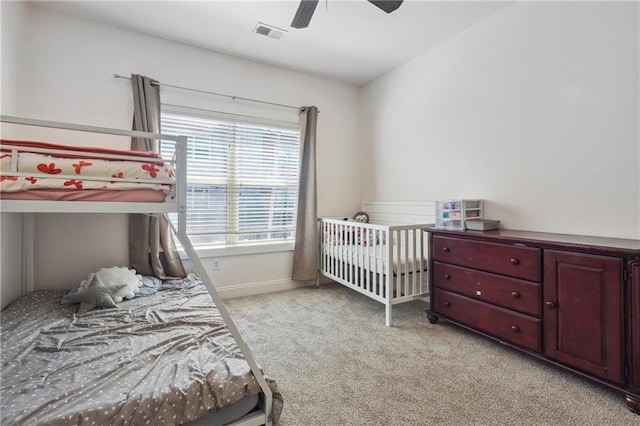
[387, 6]
[304, 13]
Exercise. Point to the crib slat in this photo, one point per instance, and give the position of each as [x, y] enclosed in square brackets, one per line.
[378, 259]
[367, 270]
[423, 251]
[327, 247]
[353, 252]
[383, 257]
[333, 257]
[348, 253]
[341, 252]
[398, 262]
[413, 257]
[408, 271]
[322, 246]
[374, 286]
[360, 265]
[336, 251]
[373, 265]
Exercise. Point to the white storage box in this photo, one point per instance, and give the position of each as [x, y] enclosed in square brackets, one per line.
[482, 225]
[452, 214]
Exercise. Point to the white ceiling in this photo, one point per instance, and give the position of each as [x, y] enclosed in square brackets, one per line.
[348, 40]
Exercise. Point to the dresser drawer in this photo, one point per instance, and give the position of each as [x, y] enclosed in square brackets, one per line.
[511, 293]
[505, 325]
[515, 261]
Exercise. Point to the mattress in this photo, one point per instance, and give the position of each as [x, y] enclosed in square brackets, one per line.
[372, 257]
[48, 168]
[131, 195]
[167, 358]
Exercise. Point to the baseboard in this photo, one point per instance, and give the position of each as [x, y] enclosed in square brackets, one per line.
[251, 289]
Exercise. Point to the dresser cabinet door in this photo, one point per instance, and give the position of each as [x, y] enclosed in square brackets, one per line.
[583, 312]
[633, 399]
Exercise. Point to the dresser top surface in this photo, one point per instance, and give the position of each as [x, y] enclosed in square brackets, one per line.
[544, 238]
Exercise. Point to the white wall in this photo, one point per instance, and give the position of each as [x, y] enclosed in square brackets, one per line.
[13, 21]
[534, 109]
[65, 73]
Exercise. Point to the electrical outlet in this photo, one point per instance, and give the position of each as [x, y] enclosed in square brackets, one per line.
[216, 264]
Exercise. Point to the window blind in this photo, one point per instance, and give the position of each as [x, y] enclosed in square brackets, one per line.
[242, 179]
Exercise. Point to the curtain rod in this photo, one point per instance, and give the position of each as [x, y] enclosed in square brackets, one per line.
[218, 94]
[225, 113]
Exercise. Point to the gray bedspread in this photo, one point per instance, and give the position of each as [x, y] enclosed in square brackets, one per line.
[162, 359]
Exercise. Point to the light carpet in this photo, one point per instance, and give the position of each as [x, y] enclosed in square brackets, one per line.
[337, 364]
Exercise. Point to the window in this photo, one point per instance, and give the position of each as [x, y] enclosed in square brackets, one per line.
[242, 179]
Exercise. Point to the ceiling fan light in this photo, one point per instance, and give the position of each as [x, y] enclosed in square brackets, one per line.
[304, 13]
[388, 5]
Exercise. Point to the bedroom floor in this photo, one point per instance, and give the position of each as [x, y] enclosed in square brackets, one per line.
[337, 364]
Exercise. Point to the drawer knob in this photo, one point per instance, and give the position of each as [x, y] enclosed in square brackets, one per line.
[514, 261]
[445, 249]
[447, 304]
[550, 305]
[515, 294]
[447, 276]
[515, 328]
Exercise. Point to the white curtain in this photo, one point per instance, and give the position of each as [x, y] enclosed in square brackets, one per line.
[305, 255]
[151, 247]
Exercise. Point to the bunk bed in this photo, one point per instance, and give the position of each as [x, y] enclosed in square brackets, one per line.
[173, 357]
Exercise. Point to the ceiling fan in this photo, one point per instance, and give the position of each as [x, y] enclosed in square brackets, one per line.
[307, 7]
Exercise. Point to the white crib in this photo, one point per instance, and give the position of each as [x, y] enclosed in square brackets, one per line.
[387, 263]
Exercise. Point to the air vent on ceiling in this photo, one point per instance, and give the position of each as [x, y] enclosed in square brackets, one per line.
[269, 30]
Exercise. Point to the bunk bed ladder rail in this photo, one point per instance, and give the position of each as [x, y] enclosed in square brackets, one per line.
[256, 419]
[251, 420]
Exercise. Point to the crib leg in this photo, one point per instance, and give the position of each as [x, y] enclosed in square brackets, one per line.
[388, 315]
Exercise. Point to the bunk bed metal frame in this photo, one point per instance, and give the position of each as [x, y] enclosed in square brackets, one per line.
[178, 205]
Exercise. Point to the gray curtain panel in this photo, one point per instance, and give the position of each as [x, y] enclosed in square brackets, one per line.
[305, 255]
[151, 248]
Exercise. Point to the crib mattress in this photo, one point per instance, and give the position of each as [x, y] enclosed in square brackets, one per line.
[374, 257]
[163, 359]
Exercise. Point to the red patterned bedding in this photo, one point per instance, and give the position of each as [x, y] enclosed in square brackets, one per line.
[52, 170]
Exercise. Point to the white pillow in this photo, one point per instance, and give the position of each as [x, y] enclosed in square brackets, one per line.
[116, 276]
